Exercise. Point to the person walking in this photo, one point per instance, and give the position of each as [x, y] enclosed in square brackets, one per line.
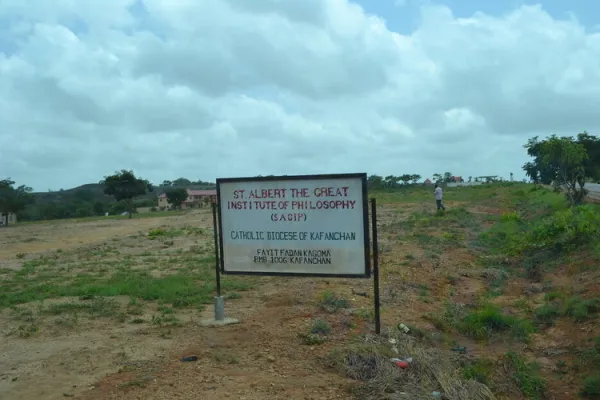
[438, 197]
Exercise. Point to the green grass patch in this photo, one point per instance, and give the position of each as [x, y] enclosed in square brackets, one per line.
[558, 305]
[526, 375]
[483, 322]
[480, 370]
[488, 320]
[178, 289]
[591, 387]
[330, 302]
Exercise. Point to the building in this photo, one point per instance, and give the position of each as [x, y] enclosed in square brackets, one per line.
[427, 181]
[457, 179]
[8, 219]
[196, 199]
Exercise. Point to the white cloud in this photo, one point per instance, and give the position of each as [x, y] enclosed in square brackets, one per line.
[218, 88]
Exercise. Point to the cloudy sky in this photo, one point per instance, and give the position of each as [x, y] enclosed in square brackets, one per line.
[220, 88]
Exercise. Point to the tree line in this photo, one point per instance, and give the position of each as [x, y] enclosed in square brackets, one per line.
[115, 194]
[566, 162]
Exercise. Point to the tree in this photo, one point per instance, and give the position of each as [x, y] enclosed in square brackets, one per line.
[124, 186]
[390, 181]
[470, 178]
[414, 178]
[14, 200]
[176, 197]
[437, 178]
[536, 170]
[447, 177]
[375, 182]
[561, 161]
[511, 176]
[405, 178]
[592, 147]
[181, 182]
[167, 183]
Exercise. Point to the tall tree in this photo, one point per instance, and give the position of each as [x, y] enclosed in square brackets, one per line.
[437, 178]
[536, 170]
[176, 197]
[13, 200]
[592, 146]
[561, 161]
[124, 186]
[447, 177]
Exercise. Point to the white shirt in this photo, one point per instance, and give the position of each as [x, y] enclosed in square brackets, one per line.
[438, 193]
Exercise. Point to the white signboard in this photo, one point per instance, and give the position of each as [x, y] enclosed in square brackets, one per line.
[294, 225]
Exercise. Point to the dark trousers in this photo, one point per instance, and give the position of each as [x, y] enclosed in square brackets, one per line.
[439, 204]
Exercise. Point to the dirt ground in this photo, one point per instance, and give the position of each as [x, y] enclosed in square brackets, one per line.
[262, 357]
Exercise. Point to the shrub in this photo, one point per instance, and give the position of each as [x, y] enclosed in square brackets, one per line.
[591, 387]
[556, 306]
[331, 303]
[563, 231]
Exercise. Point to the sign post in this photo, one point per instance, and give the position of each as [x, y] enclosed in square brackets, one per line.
[302, 225]
[375, 266]
[313, 225]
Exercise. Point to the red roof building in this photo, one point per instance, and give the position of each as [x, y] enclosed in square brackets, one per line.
[196, 199]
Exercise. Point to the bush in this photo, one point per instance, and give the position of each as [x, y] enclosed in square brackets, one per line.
[591, 387]
[563, 231]
[557, 306]
[331, 303]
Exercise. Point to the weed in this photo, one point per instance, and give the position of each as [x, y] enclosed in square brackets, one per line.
[311, 339]
[591, 387]
[510, 216]
[546, 314]
[480, 370]
[581, 309]
[99, 307]
[368, 361]
[20, 255]
[165, 319]
[366, 314]
[558, 305]
[526, 376]
[331, 303]
[320, 327]
[226, 358]
[488, 319]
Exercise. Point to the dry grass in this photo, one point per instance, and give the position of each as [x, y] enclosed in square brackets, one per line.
[431, 370]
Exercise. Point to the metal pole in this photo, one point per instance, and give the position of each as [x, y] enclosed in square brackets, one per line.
[217, 256]
[375, 266]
